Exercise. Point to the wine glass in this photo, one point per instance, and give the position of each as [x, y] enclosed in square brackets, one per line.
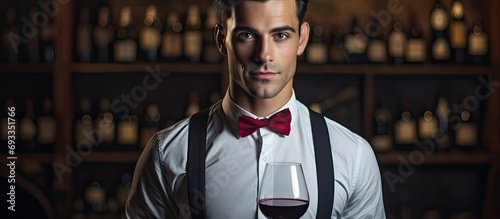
[283, 192]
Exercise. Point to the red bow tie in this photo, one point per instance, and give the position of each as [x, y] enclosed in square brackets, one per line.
[279, 122]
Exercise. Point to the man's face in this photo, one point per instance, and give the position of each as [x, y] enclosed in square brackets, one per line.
[262, 43]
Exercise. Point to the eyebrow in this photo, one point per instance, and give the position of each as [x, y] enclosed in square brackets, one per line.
[253, 30]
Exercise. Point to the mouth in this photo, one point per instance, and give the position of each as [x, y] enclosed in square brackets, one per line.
[264, 74]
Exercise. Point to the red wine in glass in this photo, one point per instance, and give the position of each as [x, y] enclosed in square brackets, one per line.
[283, 207]
[283, 191]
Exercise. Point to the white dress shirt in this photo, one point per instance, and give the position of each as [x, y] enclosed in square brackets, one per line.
[235, 166]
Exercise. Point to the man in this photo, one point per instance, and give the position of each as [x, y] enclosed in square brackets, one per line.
[261, 40]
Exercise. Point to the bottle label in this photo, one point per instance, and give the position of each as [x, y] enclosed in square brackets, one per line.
[106, 129]
[478, 44]
[427, 129]
[439, 19]
[416, 51]
[127, 132]
[193, 41]
[377, 51]
[466, 134]
[125, 51]
[337, 54]
[46, 130]
[441, 49]
[171, 45]
[84, 133]
[458, 34]
[381, 143]
[27, 129]
[405, 132]
[397, 41]
[316, 53]
[355, 44]
[150, 38]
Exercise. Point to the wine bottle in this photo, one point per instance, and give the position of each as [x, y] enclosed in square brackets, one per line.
[337, 51]
[84, 36]
[405, 129]
[95, 197]
[28, 128]
[105, 126]
[466, 132]
[355, 43]
[439, 20]
[443, 137]
[151, 124]
[122, 190]
[427, 125]
[397, 43]
[103, 34]
[33, 44]
[210, 51]
[376, 52]
[47, 127]
[84, 126]
[150, 35]
[416, 51]
[382, 135]
[112, 209]
[48, 34]
[10, 49]
[171, 47]
[458, 32]
[193, 106]
[125, 47]
[193, 38]
[127, 133]
[478, 44]
[78, 211]
[432, 214]
[316, 49]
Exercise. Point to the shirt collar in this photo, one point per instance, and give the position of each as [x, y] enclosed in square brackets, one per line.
[232, 112]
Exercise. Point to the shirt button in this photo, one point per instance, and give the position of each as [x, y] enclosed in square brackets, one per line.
[264, 158]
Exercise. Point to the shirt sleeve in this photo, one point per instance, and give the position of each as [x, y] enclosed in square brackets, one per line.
[148, 195]
[366, 201]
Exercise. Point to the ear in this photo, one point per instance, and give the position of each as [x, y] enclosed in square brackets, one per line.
[304, 37]
[220, 39]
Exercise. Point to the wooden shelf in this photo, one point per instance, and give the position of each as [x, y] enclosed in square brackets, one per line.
[26, 68]
[452, 158]
[112, 157]
[39, 157]
[142, 67]
[424, 69]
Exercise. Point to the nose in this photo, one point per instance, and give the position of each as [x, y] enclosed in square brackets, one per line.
[264, 54]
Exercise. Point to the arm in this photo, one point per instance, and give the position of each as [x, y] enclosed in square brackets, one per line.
[148, 196]
[366, 200]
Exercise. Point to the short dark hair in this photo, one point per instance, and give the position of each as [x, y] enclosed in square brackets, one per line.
[224, 7]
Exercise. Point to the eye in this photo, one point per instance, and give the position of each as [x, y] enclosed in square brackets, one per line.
[281, 36]
[245, 36]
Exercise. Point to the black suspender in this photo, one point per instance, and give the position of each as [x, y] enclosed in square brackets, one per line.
[197, 142]
[324, 165]
[196, 164]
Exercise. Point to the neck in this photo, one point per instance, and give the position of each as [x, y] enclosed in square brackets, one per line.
[260, 107]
